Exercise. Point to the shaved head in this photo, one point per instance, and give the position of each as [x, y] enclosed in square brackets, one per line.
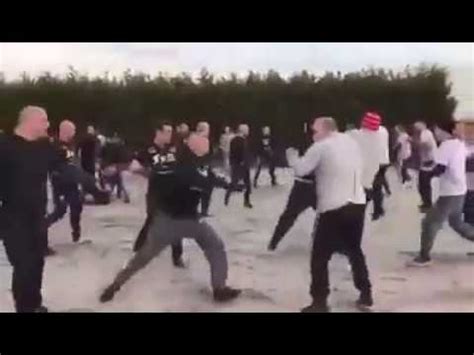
[244, 129]
[198, 144]
[323, 127]
[203, 128]
[67, 130]
[32, 123]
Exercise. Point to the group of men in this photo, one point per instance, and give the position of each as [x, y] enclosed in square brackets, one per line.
[336, 174]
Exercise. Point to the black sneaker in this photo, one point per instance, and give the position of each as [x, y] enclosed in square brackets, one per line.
[420, 261]
[271, 246]
[108, 294]
[179, 264]
[226, 294]
[41, 309]
[76, 235]
[377, 216]
[365, 301]
[316, 307]
[248, 205]
[50, 252]
[126, 200]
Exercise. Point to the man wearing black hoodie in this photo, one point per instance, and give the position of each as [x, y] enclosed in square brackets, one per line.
[177, 217]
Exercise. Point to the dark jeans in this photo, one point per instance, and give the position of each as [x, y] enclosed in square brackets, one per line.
[64, 196]
[115, 181]
[268, 161]
[88, 165]
[424, 188]
[176, 248]
[25, 239]
[377, 193]
[404, 172]
[338, 231]
[302, 196]
[469, 208]
[238, 173]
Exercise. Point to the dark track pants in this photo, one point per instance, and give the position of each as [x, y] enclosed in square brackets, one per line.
[341, 231]
[25, 240]
[239, 173]
[302, 196]
[64, 196]
[268, 161]
[176, 248]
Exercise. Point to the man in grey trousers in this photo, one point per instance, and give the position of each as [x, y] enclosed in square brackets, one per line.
[451, 169]
[176, 217]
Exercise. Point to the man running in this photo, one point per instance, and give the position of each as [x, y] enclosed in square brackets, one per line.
[240, 165]
[450, 161]
[176, 217]
[64, 182]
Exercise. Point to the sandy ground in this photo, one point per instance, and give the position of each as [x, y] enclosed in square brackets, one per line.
[272, 282]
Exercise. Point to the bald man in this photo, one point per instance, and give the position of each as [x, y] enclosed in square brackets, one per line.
[25, 159]
[65, 184]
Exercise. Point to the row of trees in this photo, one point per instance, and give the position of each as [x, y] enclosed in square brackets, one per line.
[132, 103]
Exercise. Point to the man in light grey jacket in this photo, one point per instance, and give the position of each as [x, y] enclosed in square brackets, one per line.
[337, 162]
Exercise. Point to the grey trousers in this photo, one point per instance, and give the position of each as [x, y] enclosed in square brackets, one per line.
[448, 208]
[165, 231]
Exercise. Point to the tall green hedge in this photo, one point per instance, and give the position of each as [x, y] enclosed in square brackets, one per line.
[132, 103]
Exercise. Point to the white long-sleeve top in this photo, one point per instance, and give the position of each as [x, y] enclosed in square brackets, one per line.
[385, 151]
[372, 151]
[337, 164]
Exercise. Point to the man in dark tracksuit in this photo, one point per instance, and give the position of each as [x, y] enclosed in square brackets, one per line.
[88, 151]
[240, 165]
[302, 196]
[203, 129]
[65, 184]
[176, 217]
[159, 160]
[25, 159]
[266, 155]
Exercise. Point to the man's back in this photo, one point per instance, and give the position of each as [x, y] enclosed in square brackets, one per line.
[238, 150]
[338, 171]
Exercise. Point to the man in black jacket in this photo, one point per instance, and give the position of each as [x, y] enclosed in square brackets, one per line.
[89, 148]
[177, 217]
[25, 159]
[64, 181]
[266, 155]
[158, 160]
[240, 165]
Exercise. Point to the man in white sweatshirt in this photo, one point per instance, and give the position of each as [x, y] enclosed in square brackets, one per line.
[371, 142]
[336, 160]
[450, 167]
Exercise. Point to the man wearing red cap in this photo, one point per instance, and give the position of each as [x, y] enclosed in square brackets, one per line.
[374, 155]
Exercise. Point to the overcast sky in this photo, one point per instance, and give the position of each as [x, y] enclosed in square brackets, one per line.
[222, 58]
